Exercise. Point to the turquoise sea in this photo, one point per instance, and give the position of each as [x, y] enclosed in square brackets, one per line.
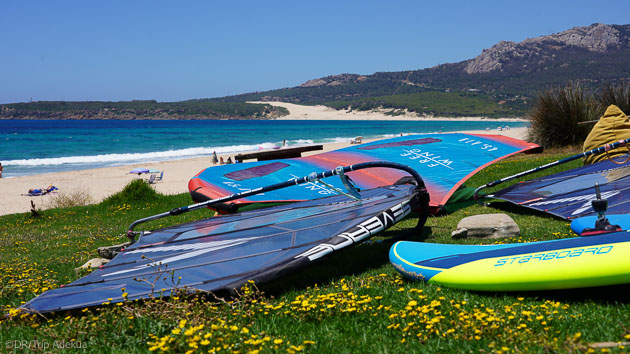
[39, 146]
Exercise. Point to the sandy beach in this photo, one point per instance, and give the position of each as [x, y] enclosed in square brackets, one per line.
[102, 182]
[301, 112]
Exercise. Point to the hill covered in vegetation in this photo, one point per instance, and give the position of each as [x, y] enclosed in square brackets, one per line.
[509, 74]
[432, 103]
[192, 109]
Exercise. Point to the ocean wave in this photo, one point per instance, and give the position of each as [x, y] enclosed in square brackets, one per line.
[300, 142]
[107, 159]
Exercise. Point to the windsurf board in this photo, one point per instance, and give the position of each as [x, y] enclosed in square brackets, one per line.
[558, 264]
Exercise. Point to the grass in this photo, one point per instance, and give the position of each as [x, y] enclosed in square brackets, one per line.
[353, 302]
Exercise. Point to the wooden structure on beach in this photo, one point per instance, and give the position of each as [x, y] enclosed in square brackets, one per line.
[283, 153]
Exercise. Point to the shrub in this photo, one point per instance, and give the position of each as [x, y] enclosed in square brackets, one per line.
[619, 95]
[134, 192]
[76, 197]
[556, 114]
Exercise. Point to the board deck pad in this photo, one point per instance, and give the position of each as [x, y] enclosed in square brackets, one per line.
[445, 162]
[578, 225]
[546, 265]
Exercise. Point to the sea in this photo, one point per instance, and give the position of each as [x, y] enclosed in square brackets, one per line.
[29, 147]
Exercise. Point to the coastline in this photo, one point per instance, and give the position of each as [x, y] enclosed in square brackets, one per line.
[319, 112]
[100, 183]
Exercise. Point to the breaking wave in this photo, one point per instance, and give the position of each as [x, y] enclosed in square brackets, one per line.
[124, 158]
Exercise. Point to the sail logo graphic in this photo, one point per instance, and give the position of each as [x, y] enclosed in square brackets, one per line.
[360, 232]
[484, 146]
[576, 252]
[239, 187]
[431, 160]
[584, 207]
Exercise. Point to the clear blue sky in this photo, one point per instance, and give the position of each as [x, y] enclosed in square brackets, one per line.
[177, 50]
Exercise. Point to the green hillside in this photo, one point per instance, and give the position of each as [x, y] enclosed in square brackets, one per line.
[509, 74]
[449, 104]
[150, 109]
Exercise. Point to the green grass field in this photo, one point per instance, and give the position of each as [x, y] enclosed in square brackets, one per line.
[353, 302]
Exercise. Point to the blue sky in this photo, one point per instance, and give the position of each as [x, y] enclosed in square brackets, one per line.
[177, 50]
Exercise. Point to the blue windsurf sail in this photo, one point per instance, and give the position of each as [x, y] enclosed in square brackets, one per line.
[445, 162]
[569, 194]
[226, 251]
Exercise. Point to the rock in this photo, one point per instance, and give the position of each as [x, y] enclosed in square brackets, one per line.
[93, 263]
[594, 38]
[334, 80]
[110, 252]
[460, 233]
[487, 226]
[314, 83]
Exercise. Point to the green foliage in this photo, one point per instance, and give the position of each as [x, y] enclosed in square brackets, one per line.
[441, 104]
[619, 95]
[192, 109]
[557, 113]
[137, 191]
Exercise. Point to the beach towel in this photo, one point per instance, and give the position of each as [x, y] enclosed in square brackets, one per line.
[35, 192]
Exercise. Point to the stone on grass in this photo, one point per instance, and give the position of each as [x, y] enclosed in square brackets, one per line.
[93, 263]
[487, 226]
[110, 252]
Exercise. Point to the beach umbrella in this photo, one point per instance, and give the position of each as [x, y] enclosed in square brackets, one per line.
[139, 170]
[154, 171]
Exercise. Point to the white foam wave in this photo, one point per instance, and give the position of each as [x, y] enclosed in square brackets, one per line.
[301, 142]
[338, 139]
[108, 159]
[129, 158]
[346, 139]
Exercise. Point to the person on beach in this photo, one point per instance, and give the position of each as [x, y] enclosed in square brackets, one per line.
[214, 158]
[0, 169]
[221, 160]
[229, 160]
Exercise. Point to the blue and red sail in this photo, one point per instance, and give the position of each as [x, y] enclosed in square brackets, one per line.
[445, 162]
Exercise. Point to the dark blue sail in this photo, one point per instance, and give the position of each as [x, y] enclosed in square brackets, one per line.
[569, 194]
[224, 252]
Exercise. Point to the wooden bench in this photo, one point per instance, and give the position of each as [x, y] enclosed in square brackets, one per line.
[284, 153]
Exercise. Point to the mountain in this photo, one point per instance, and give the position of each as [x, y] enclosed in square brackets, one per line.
[546, 50]
[508, 72]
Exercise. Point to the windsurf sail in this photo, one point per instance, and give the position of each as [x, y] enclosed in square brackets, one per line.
[226, 251]
[445, 162]
[569, 194]
[599, 150]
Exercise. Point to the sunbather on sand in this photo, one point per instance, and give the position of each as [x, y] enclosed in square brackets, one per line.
[33, 192]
